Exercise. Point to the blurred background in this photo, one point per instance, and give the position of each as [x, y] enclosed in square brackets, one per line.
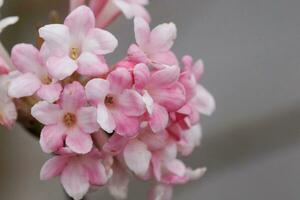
[251, 144]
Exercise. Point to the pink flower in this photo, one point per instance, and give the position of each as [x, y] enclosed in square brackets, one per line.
[199, 100]
[118, 106]
[78, 172]
[68, 122]
[34, 77]
[8, 111]
[76, 45]
[153, 47]
[107, 10]
[162, 93]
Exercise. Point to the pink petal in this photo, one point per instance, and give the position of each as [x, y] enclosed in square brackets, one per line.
[162, 37]
[171, 98]
[148, 102]
[137, 157]
[24, 85]
[105, 119]
[118, 183]
[107, 15]
[96, 90]
[26, 58]
[141, 76]
[53, 167]
[142, 32]
[166, 76]
[125, 126]
[46, 113]
[50, 92]
[97, 5]
[57, 38]
[119, 80]
[161, 192]
[91, 65]
[160, 59]
[78, 141]
[140, 11]
[131, 103]
[61, 68]
[96, 172]
[205, 102]
[136, 54]
[73, 97]
[8, 112]
[52, 138]
[100, 42]
[115, 144]
[159, 118]
[198, 69]
[195, 174]
[75, 180]
[80, 21]
[176, 167]
[87, 119]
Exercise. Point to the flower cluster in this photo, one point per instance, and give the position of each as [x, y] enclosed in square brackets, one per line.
[103, 124]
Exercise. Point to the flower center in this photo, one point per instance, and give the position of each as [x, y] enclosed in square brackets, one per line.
[69, 119]
[74, 53]
[46, 80]
[109, 100]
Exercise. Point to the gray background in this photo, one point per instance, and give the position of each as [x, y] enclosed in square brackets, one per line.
[251, 144]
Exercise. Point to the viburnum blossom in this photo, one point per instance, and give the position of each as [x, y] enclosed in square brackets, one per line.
[153, 47]
[34, 76]
[69, 120]
[118, 106]
[102, 124]
[77, 45]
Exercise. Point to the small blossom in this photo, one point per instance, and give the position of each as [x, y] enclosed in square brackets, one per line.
[77, 172]
[8, 111]
[154, 46]
[34, 77]
[68, 122]
[118, 105]
[77, 45]
[162, 93]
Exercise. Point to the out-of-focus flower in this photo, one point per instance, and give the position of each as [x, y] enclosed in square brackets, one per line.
[77, 172]
[153, 47]
[8, 111]
[118, 106]
[68, 122]
[8, 20]
[108, 10]
[77, 45]
[162, 93]
[34, 77]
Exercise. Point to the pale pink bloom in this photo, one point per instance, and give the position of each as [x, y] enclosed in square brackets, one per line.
[107, 10]
[186, 139]
[162, 93]
[34, 77]
[153, 156]
[154, 46]
[76, 3]
[8, 20]
[199, 100]
[68, 122]
[118, 106]
[8, 111]
[77, 172]
[76, 45]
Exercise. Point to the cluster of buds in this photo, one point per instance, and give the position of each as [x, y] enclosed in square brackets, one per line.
[104, 124]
